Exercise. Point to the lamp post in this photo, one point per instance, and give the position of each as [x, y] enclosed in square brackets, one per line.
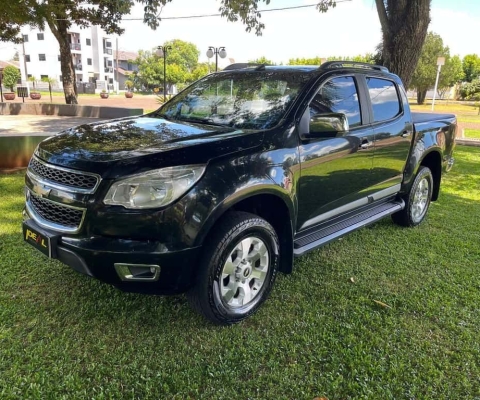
[162, 52]
[1, 77]
[217, 51]
[440, 62]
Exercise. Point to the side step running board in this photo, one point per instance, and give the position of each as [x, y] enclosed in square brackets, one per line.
[329, 232]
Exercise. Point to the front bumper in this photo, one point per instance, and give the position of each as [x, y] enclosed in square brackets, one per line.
[96, 256]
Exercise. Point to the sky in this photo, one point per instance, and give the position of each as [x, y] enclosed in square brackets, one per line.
[350, 29]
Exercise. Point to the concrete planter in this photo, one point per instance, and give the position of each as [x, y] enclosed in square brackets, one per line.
[104, 95]
[9, 96]
[35, 96]
[128, 95]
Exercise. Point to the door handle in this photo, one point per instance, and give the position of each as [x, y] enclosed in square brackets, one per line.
[405, 134]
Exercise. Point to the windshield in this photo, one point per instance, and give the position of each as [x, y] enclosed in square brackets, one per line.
[250, 100]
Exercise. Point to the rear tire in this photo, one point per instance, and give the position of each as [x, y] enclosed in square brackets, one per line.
[237, 270]
[417, 201]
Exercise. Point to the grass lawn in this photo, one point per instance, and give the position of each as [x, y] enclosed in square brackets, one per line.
[321, 333]
[472, 133]
[464, 112]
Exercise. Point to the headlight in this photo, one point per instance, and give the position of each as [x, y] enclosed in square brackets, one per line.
[155, 188]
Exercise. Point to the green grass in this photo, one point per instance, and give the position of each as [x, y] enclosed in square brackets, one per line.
[472, 133]
[464, 112]
[321, 333]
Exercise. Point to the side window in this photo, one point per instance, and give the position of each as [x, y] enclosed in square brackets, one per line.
[384, 98]
[338, 95]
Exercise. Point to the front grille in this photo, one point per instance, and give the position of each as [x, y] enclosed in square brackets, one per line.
[56, 213]
[63, 177]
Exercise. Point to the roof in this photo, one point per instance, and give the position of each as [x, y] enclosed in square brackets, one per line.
[124, 71]
[125, 55]
[4, 64]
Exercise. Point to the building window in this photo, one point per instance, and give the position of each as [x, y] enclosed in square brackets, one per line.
[89, 61]
[108, 44]
[40, 36]
[89, 42]
[29, 75]
[110, 81]
[25, 38]
[27, 57]
[41, 57]
[109, 63]
[130, 66]
[43, 77]
[59, 57]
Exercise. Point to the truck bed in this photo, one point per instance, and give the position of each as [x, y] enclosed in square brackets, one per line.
[422, 117]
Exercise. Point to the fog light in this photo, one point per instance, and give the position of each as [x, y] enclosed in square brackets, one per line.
[137, 272]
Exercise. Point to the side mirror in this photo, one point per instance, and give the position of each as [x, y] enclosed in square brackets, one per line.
[327, 125]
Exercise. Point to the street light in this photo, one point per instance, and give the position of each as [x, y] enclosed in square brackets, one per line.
[217, 51]
[1, 90]
[440, 62]
[162, 52]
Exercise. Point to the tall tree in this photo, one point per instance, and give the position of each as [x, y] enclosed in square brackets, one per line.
[181, 62]
[60, 15]
[404, 29]
[471, 67]
[404, 25]
[426, 71]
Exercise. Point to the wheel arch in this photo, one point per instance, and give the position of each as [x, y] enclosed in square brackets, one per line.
[270, 204]
[433, 160]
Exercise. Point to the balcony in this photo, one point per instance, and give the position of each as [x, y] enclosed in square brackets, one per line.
[75, 46]
[107, 51]
[78, 67]
[109, 70]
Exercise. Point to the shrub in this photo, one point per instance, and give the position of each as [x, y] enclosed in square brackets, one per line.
[11, 75]
[470, 91]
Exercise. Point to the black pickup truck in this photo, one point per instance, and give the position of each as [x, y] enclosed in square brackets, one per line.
[222, 186]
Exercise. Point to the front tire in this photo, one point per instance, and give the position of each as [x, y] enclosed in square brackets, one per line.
[237, 270]
[417, 201]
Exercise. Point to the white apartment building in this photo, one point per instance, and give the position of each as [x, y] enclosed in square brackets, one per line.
[92, 54]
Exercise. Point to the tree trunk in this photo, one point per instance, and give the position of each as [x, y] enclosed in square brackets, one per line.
[59, 28]
[421, 94]
[404, 28]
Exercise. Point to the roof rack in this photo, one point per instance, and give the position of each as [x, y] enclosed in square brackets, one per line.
[354, 64]
[255, 66]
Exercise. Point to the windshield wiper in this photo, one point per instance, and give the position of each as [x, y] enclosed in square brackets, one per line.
[206, 121]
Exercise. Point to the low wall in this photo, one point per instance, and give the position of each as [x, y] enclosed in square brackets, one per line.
[67, 110]
[15, 151]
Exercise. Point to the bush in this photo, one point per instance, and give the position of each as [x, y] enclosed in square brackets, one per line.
[11, 75]
[470, 91]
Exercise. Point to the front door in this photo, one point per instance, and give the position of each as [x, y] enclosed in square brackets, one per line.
[335, 171]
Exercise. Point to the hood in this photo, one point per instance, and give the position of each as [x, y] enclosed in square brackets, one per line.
[96, 147]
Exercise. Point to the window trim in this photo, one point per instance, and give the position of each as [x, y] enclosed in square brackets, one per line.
[401, 114]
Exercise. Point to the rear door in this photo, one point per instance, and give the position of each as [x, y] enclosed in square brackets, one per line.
[393, 129]
[336, 170]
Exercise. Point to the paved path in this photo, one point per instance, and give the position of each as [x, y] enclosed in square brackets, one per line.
[38, 125]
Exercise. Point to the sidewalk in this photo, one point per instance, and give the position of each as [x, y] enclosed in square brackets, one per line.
[38, 125]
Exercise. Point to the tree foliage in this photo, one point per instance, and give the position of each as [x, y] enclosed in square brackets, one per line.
[404, 25]
[262, 60]
[426, 72]
[11, 75]
[181, 65]
[367, 58]
[470, 90]
[60, 15]
[471, 67]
